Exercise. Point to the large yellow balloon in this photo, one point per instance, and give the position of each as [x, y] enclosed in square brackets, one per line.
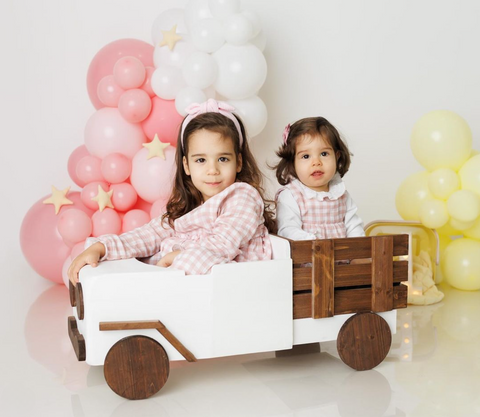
[448, 230]
[413, 191]
[443, 182]
[470, 175]
[464, 205]
[461, 264]
[433, 213]
[441, 139]
[474, 231]
[459, 225]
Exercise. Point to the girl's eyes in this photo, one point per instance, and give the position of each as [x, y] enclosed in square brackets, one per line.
[306, 156]
[221, 159]
[200, 160]
[324, 154]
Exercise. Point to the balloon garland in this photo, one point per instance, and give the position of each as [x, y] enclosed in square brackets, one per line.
[210, 49]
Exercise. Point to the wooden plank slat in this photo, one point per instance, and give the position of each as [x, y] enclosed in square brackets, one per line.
[400, 245]
[150, 324]
[347, 301]
[382, 273]
[348, 275]
[301, 251]
[322, 279]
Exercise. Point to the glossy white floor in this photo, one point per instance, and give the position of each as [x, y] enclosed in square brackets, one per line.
[433, 369]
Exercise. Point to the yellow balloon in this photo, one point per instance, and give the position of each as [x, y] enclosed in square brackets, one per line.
[459, 225]
[441, 139]
[464, 205]
[470, 175]
[461, 264]
[433, 213]
[474, 231]
[448, 231]
[413, 191]
[443, 182]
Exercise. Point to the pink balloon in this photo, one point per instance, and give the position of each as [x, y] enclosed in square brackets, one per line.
[142, 205]
[116, 168]
[75, 156]
[153, 178]
[74, 225]
[77, 249]
[106, 222]
[134, 219]
[158, 208]
[103, 62]
[163, 121]
[89, 169]
[109, 92]
[41, 243]
[135, 105]
[90, 191]
[147, 86]
[76, 198]
[108, 132]
[124, 196]
[129, 72]
[65, 267]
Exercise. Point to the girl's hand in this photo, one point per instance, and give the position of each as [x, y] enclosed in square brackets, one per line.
[167, 260]
[89, 256]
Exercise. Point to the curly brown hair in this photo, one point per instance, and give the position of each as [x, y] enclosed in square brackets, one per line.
[185, 197]
[312, 126]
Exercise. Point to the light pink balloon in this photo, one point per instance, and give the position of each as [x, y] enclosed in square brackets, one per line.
[103, 62]
[116, 168]
[153, 178]
[134, 219]
[106, 222]
[147, 86]
[89, 169]
[135, 105]
[163, 121]
[41, 243]
[77, 249]
[109, 92]
[65, 267]
[74, 225]
[75, 156]
[90, 191]
[129, 72]
[108, 132]
[158, 208]
[124, 196]
[142, 205]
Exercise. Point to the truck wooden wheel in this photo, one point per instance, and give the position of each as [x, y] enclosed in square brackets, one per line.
[136, 367]
[364, 341]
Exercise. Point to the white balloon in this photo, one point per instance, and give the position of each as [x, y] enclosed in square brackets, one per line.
[167, 81]
[254, 20]
[199, 70]
[195, 11]
[237, 29]
[187, 96]
[253, 112]
[220, 9]
[260, 41]
[207, 35]
[242, 70]
[162, 55]
[165, 21]
[210, 92]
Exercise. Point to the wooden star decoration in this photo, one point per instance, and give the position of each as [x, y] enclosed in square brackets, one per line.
[58, 198]
[170, 38]
[103, 198]
[156, 147]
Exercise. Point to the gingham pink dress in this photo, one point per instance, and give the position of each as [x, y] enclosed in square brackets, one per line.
[325, 218]
[227, 227]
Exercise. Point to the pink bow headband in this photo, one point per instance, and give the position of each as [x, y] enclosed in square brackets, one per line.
[211, 106]
[286, 131]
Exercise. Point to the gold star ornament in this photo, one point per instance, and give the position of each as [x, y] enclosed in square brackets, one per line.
[58, 198]
[170, 38]
[156, 147]
[103, 198]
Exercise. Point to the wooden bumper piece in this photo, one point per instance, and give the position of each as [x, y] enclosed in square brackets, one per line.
[78, 341]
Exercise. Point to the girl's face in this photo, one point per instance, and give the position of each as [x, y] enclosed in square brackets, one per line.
[211, 162]
[315, 162]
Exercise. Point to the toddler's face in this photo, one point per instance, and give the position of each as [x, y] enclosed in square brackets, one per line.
[211, 162]
[315, 162]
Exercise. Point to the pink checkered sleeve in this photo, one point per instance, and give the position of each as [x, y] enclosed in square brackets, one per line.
[141, 242]
[239, 220]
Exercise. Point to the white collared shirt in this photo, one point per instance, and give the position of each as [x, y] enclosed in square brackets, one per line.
[289, 219]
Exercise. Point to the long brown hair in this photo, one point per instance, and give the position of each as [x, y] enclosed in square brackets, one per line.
[313, 126]
[185, 197]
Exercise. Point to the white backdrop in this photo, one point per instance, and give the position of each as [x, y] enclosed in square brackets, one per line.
[372, 68]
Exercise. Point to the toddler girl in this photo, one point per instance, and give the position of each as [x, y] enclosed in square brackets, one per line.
[216, 213]
[314, 204]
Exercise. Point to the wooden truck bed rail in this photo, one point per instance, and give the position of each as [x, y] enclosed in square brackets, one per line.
[324, 286]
